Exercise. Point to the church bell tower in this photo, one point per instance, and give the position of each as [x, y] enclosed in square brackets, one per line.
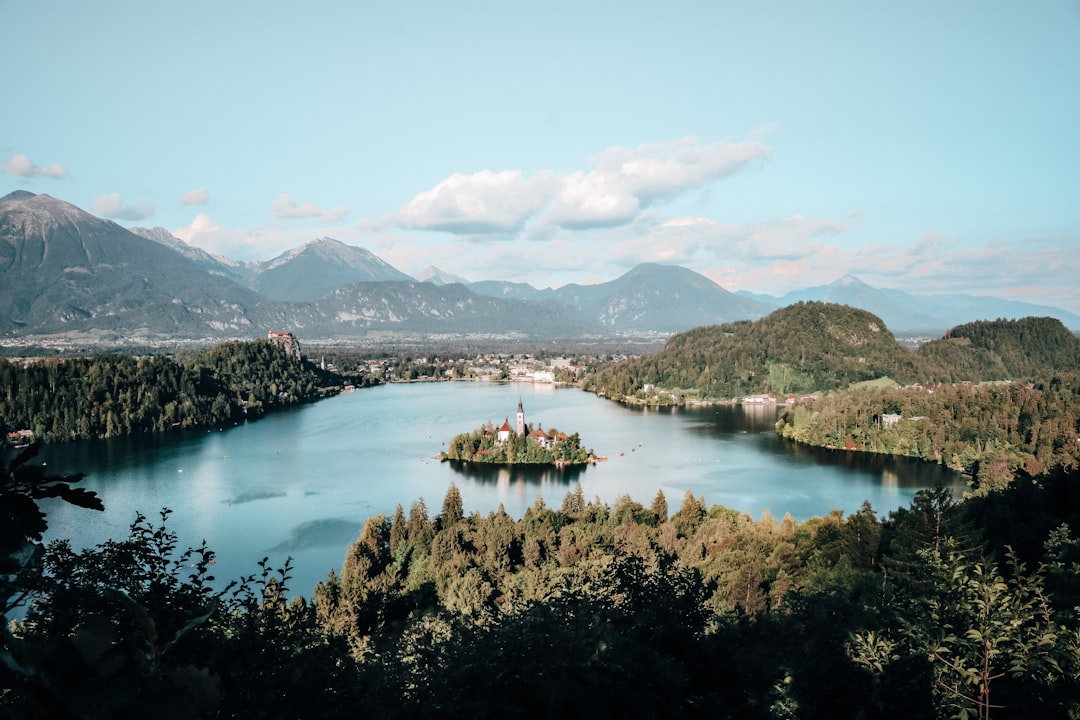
[520, 419]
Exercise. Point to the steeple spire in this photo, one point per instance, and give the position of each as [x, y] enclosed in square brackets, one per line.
[520, 418]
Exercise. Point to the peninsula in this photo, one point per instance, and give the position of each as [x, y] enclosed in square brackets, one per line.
[518, 445]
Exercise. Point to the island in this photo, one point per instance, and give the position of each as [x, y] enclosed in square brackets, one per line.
[518, 445]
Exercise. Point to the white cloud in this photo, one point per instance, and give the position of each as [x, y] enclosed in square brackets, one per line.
[622, 183]
[112, 206]
[484, 202]
[333, 215]
[198, 196]
[593, 200]
[205, 232]
[625, 181]
[285, 208]
[22, 166]
[258, 243]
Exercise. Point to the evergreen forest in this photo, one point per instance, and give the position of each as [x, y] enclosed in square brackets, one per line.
[815, 347]
[112, 395]
[947, 608]
[989, 399]
[943, 609]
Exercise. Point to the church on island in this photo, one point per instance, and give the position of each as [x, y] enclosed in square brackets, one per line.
[518, 444]
[541, 438]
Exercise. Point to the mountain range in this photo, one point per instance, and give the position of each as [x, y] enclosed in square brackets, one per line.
[65, 272]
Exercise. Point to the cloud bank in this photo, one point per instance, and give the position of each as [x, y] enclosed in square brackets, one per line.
[199, 196]
[21, 166]
[112, 206]
[619, 186]
[285, 208]
[594, 224]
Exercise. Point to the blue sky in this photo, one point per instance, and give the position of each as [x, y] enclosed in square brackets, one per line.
[925, 146]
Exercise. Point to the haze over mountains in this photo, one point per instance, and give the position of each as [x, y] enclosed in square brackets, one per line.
[64, 271]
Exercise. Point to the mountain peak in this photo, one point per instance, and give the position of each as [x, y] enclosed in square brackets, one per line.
[850, 281]
[16, 196]
[435, 276]
[308, 272]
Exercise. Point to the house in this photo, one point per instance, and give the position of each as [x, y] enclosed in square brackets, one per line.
[542, 438]
[504, 432]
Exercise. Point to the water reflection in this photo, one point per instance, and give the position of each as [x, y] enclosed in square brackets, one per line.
[519, 483]
[294, 483]
[507, 476]
[895, 471]
[729, 419]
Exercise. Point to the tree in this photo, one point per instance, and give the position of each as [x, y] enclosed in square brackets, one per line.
[659, 507]
[23, 523]
[985, 635]
[574, 502]
[452, 508]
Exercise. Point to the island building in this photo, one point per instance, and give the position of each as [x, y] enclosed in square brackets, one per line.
[287, 341]
[538, 435]
[505, 430]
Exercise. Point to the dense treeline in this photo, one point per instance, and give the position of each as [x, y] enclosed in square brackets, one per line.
[797, 349]
[1003, 349]
[585, 610]
[112, 395]
[816, 347]
[987, 430]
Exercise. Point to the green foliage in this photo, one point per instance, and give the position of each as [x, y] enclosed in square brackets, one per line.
[989, 638]
[586, 610]
[987, 430]
[483, 445]
[816, 347]
[113, 395]
[1002, 349]
[802, 348]
[23, 522]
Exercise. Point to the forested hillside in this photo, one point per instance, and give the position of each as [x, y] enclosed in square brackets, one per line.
[588, 610]
[816, 347]
[1003, 350]
[990, 430]
[112, 395]
[799, 349]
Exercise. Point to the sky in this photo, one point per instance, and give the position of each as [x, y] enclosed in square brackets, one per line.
[925, 146]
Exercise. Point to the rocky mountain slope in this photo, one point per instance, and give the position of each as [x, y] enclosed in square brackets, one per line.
[63, 270]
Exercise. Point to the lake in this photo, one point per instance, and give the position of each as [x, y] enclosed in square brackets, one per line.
[301, 482]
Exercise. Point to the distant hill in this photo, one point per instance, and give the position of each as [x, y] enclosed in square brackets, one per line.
[316, 268]
[649, 298]
[815, 347]
[658, 298]
[411, 307]
[510, 290]
[911, 314]
[1004, 349]
[435, 276]
[802, 348]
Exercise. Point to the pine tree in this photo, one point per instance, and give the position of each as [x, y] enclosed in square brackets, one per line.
[452, 508]
[659, 507]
